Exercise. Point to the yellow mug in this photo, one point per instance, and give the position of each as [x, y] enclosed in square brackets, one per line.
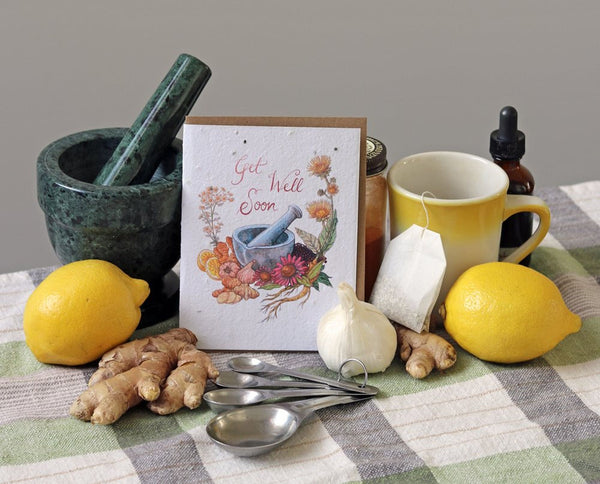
[463, 198]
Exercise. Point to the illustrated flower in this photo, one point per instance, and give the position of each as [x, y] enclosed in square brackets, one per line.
[287, 272]
[320, 210]
[332, 188]
[211, 198]
[262, 276]
[228, 269]
[320, 166]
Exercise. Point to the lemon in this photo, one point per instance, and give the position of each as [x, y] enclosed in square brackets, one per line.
[81, 310]
[506, 313]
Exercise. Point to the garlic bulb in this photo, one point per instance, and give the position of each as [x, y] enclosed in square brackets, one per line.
[355, 329]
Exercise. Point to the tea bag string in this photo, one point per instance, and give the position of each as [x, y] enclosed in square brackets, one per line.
[425, 210]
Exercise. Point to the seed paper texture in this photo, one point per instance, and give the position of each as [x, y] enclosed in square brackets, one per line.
[295, 187]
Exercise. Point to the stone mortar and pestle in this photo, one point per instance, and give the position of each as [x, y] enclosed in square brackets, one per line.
[115, 193]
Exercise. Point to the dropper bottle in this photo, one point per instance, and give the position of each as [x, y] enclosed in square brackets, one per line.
[507, 147]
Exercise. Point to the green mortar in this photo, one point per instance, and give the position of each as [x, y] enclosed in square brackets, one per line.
[136, 227]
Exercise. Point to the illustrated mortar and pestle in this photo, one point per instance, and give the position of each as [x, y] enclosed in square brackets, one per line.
[115, 193]
[266, 244]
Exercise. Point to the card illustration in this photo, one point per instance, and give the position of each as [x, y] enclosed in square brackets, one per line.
[270, 262]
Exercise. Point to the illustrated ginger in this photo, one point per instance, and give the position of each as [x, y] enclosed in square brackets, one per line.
[166, 370]
[423, 352]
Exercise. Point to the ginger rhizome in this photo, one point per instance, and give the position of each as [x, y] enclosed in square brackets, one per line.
[424, 351]
[166, 370]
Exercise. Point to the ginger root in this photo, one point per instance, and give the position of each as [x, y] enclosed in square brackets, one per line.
[423, 352]
[137, 371]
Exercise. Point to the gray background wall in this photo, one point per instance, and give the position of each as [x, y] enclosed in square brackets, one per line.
[427, 74]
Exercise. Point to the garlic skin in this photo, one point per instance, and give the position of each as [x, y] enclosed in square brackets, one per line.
[355, 329]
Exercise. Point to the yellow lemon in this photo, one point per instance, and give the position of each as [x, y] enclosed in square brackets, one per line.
[82, 310]
[507, 313]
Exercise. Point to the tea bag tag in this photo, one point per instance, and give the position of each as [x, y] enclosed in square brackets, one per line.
[410, 277]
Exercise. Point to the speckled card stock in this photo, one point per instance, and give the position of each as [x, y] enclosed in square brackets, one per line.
[271, 224]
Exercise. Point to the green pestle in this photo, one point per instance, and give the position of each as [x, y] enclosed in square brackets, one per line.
[137, 156]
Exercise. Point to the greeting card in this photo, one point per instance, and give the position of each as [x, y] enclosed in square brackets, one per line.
[271, 224]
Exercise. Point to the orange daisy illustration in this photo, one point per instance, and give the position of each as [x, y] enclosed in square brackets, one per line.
[320, 166]
[319, 210]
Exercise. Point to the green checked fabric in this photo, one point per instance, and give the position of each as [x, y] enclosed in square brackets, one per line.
[537, 422]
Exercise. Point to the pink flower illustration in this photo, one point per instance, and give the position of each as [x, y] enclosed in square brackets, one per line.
[287, 272]
[262, 276]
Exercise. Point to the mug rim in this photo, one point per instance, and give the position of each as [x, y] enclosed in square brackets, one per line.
[394, 185]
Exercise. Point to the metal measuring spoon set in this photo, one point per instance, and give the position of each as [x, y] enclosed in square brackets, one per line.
[246, 427]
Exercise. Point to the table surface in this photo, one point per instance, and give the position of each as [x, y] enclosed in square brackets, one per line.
[478, 422]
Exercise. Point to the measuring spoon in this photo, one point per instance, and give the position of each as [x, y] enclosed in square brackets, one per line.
[229, 398]
[258, 429]
[231, 379]
[246, 364]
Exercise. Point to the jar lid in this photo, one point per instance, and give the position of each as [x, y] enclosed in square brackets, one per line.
[376, 156]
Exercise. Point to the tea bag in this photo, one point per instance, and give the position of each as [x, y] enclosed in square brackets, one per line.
[410, 278]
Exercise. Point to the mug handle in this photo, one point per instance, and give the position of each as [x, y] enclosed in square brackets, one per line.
[527, 203]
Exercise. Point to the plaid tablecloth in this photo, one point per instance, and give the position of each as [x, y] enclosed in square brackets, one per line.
[478, 422]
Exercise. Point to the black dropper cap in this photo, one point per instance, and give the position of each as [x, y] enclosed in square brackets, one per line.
[507, 142]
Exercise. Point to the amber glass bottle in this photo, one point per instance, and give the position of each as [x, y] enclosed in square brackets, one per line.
[507, 147]
[376, 211]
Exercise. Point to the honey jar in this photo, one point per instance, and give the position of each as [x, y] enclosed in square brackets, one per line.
[375, 211]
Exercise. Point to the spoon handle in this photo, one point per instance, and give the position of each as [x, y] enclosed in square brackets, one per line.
[304, 392]
[227, 379]
[352, 387]
[294, 384]
[308, 406]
